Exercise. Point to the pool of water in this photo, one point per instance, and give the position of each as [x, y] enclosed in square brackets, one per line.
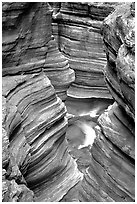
[79, 107]
[82, 118]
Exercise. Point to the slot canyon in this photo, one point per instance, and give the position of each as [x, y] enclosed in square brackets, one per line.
[68, 102]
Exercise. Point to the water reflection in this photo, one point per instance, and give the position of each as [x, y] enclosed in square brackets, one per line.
[84, 106]
[83, 115]
[89, 133]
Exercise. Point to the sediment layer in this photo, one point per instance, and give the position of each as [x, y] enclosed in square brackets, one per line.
[76, 27]
[29, 47]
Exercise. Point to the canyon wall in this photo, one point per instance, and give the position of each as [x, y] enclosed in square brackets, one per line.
[109, 165]
[111, 175]
[28, 45]
[39, 57]
[76, 27]
[35, 157]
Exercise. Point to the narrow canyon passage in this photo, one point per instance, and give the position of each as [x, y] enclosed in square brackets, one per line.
[68, 102]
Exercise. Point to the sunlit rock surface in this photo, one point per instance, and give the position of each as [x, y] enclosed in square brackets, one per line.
[28, 45]
[14, 187]
[119, 128]
[36, 125]
[119, 39]
[109, 165]
[34, 145]
[57, 69]
[87, 154]
[76, 27]
[111, 173]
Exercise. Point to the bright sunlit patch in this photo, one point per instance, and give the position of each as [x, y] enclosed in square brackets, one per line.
[92, 113]
[109, 107]
[89, 134]
[83, 113]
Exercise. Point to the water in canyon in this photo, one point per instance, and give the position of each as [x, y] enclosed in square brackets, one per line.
[82, 118]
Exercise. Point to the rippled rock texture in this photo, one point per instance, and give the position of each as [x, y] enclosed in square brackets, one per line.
[29, 47]
[111, 173]
[38, 162]
[77, 30]
[14, 186]
[36, 126]
[119, 39]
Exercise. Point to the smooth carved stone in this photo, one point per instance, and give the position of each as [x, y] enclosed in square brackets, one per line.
[24, 47]
[29, 47]
[119, 38]
[34, 118]
[37, 125]
[111, 173]
[77, 31]
[57, 68]
[110, 176]
[11, 191]
[118, 132]
[21, 151]
[18, 145]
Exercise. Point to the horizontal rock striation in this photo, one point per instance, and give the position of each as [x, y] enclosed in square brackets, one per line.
[76, 27]
[36, 125]
[39, 164]
[29, 47]
[111, 173]
[57, 69]
[34, 117]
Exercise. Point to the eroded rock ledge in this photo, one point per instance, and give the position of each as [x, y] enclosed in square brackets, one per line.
[111, 175]
[109, 168]
[37, 165]
[35, 155]
[36, 126]
[28, 45]
[76, 26]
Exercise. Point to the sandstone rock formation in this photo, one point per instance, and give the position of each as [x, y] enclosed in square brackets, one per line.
[39, 164]
[119, 39]
[36, 126]
[111, 175]
[76, 27]
[28, 44]
[109, 166]
[14, 186]
[35, 158]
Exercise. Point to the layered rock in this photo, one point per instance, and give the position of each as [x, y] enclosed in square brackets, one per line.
[57, 69]
[35, 158]
[111, 173]
[29, 47]
[77, 30]
[36, 126]
[119, 32]
[14, 186]
[37, 165]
